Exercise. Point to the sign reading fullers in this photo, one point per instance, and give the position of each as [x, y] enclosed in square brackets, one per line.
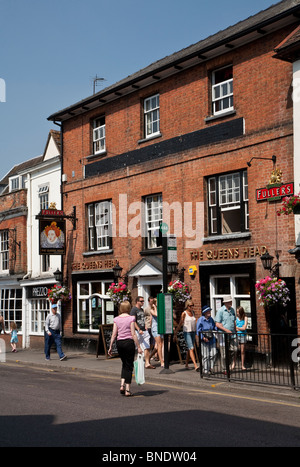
[52, 236]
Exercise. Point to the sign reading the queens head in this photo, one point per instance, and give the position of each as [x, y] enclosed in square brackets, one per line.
[52, 236]
[228, 253]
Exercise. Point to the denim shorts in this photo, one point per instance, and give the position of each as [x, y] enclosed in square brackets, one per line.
[189, 338]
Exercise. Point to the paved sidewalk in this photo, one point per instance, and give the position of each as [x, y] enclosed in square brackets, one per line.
[81, 361]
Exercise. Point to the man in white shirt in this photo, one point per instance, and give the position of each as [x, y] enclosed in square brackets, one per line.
[52, 332]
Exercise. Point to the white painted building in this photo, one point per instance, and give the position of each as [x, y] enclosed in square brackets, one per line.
[43, 185]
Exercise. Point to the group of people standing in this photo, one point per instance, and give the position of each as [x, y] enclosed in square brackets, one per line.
[205, 328]
[136, 328]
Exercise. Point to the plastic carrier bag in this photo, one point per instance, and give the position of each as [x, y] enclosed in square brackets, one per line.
[139, 369]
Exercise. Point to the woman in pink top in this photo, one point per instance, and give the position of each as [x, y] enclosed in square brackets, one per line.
[124, 332]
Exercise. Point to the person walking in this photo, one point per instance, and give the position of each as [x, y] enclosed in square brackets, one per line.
[2, 324]
[142, 330]
[124, 332]
[154, 328]
[14, 336]
[188, 322]
[205, 327]
[53, 330]
[225, 322]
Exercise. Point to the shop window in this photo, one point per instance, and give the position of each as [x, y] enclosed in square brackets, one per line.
[11, 307]
[100, 226]
[222, 90]
[153, 219]
[238, 286]
[94, 306]
[39, 310]
[152, 116]
[228, 203]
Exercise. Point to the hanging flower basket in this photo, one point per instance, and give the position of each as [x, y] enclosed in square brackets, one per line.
[179, 290]
[290, 205]
[119, 293]
[59, 292]
[272, 291]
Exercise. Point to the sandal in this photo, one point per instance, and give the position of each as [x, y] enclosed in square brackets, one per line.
[122, 390]
[128, 393]
[150, 367]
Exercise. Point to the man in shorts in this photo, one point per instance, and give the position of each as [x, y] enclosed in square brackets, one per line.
[141, 330]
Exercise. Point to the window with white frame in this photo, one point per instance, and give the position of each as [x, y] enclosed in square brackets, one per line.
[44, 197]
[238, 287]
[94, 306]
[4, 251]
[17, 182]
[222, 90]
[100, 226]
[11, 307]
[228, 203]
[151, 116]
[39, 310]
[153, 218]
[99, 144]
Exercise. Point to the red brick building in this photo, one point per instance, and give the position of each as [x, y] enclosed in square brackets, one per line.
[171, 143]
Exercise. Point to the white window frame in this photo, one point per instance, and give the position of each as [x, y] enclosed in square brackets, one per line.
[100, 225]
[8, 307]
[4, 251]
[39, 310]
[86, 300]
[222, 93]
[152, 116]
[99, 136]
[228, 198]
[153, 218]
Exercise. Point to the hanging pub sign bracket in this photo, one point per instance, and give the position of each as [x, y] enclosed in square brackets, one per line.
[53, 213]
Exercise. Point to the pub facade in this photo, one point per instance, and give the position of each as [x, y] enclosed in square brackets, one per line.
[201, 142]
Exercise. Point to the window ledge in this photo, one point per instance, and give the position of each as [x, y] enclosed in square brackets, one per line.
[145, 140]
[94, 156]
[100, 252]
[220, 238]
[216, 117]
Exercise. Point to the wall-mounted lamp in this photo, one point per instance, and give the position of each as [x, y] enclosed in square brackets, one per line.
[172, 268]
[267, 261]
[296, 252]
[58, 276]
[117, 271]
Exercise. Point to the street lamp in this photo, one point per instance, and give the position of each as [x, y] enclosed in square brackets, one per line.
[173, 268]
[117, 271]
[58, 275]
[267, 261]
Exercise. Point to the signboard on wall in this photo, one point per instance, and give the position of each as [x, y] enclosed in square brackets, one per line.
[275, 192]
[52, 235]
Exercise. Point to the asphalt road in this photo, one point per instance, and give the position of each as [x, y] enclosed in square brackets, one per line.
[46, 408]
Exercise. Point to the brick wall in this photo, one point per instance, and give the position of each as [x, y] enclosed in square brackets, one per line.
[262, 97]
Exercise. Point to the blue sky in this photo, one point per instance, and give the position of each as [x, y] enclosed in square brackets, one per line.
[52, 49]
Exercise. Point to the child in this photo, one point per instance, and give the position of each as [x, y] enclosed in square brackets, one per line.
[241, 327]
[14, 337]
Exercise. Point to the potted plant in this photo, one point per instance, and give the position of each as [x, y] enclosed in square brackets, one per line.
[119, 292]
[59, 292]
[179, 290]
[290, 205]
[272, 291]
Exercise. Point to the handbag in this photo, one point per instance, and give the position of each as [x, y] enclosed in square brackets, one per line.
[139, 370]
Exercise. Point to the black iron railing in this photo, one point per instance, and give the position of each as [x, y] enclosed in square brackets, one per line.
[268, 359]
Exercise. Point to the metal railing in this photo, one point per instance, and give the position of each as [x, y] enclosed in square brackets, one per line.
[268, 359]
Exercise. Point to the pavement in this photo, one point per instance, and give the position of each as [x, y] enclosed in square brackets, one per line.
[81, 362]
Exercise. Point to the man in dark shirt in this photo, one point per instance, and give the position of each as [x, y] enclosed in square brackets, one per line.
[141, 330]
